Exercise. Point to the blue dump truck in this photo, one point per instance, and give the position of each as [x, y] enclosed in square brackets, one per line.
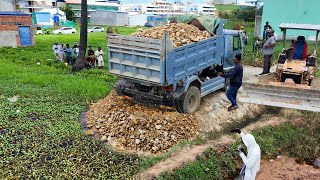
[153, 72]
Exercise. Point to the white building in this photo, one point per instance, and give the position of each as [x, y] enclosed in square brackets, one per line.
[7, 5]
[29, 6]
[55, 12]
[224, 1]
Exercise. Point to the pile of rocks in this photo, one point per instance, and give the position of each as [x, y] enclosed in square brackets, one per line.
[135, 127]
[181, 34]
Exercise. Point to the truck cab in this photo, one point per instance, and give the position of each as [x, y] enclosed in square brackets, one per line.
[233, 46]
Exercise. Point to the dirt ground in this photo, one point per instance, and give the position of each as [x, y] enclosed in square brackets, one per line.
[287, 169]
[188, 154]
[135, 128]
[139, 129]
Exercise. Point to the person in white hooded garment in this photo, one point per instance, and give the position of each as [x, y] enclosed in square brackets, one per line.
[252, 160]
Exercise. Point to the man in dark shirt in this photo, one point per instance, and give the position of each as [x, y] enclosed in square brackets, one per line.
[265, 30]
[235, 76]
[91, 56]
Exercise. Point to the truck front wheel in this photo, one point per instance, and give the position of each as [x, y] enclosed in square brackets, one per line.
[190, 100]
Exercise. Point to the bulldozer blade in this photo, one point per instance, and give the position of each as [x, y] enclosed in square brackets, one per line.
[280, 95]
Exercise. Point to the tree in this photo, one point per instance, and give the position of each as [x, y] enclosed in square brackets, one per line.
[80, 63]
[68, 10]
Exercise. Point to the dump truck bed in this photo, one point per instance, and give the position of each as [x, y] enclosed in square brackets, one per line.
[157, 62]
[266, 90]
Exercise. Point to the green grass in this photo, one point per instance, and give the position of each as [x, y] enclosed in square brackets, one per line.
[300, 141]
[226, 7]
[44, 43]
[209, 165]
[40, 134]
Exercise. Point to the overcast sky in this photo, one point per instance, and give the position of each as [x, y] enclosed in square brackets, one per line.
[148, 1]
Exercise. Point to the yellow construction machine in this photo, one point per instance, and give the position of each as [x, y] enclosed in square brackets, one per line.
[294, 84]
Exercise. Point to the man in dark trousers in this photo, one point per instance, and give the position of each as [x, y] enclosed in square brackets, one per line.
[235, 76]
[267, 51]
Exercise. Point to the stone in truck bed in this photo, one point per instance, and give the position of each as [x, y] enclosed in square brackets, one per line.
[181, 34]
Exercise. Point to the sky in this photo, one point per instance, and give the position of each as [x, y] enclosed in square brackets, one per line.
[148, 1]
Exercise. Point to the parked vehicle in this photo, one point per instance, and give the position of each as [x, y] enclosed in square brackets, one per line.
[147, 24]
[153, 72]
[96, 29]
[65, 30]
[294, 85]
[39, 32]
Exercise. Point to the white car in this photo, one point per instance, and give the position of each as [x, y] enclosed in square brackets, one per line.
[39, 32]
[65, 30]
[96, 29]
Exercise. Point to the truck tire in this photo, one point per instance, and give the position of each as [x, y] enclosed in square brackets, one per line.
[177, 105]
[119, 90]
[190, 100]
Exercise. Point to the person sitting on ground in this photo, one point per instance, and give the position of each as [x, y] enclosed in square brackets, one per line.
[252, 159]
[235, 75]
[99, 55]
[256, 45]
[91, 56]
[87, 62]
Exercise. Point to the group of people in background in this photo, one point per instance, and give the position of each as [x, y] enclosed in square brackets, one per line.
[70, 55]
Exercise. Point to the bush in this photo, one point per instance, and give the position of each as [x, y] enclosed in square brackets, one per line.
[225, 14]
[247, 14]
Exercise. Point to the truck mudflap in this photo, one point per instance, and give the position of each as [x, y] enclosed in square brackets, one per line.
[280, 94]
[148, 99]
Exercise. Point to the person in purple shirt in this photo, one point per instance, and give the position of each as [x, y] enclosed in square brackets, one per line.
[235, 76]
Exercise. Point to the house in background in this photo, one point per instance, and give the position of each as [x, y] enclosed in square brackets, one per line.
[7, 5]
[295, 11]
[109, 18]
[224, 1]
[55, 17]
[30, 6]
[92, 7]
[16, 29]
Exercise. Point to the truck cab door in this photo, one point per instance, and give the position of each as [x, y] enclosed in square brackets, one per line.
[233, 46]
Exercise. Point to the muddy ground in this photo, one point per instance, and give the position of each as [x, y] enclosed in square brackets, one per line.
[284, 168]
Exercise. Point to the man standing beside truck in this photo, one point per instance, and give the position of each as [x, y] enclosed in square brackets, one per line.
[267, 51]
[235, 76]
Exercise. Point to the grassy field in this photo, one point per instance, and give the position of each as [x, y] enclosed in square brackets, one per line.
[40, 105]
[226, 7]
[40, 133]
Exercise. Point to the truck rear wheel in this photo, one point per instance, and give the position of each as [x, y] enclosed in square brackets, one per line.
[190, 100]
[119, 90]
